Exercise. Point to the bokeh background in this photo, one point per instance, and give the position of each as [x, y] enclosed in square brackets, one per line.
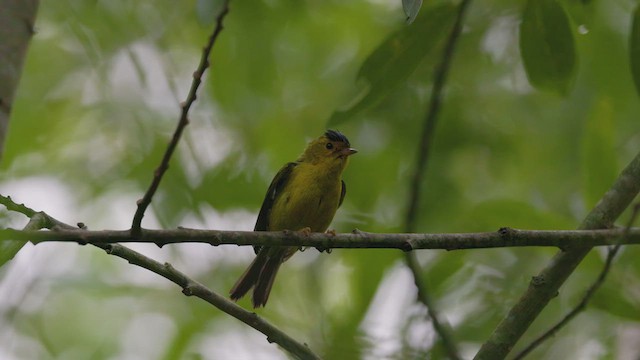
[99, 99]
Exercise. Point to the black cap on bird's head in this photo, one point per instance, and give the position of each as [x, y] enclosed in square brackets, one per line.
[331, 145]
[334, 135]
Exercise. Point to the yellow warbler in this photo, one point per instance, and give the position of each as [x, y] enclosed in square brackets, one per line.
[303, 196]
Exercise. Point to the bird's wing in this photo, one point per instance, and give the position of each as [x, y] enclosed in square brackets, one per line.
[343, 192]
[275, 189]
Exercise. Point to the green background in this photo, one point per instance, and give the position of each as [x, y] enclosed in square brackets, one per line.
[99, 100]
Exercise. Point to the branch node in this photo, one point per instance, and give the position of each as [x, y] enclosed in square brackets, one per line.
[188, 290]
[506, 232]
[82, 241]
[407, 246]
[538, 280]
[30, 27]
[108, 249]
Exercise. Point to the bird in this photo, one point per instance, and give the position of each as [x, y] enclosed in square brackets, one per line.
[303, 196]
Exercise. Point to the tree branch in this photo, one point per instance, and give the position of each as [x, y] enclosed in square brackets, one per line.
[505, 237]
[544, 286]
[442, 328]
[182, 123]
[611, 254]
[190, 287]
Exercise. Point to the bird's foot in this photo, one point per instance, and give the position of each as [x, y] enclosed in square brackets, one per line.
[306, 231]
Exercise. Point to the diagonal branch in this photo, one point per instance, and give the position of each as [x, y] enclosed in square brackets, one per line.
[441, 72]
[545, 286]
[189, 286]
[611, 254]
[193, 288]
[182, 123]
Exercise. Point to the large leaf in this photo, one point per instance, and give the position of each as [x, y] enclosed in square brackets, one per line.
[397, 57]
[9, 249]
[411, 9]
[634, 48]
[547, 46]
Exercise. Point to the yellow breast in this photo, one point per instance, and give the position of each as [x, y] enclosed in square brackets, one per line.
[309, 199]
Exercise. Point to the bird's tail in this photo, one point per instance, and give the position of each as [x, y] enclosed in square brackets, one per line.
[265, 281]
[260, 276]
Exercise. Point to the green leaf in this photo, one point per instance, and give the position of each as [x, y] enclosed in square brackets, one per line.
[391, 63]
[547, 46]
[634, 48]
[9, 249]
[411, 9]
[599, 152]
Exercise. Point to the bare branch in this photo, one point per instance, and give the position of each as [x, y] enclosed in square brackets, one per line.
[545, 285]
[611, 253]
[182, 123]
[505, 237]
[12, 206]
[191, 287]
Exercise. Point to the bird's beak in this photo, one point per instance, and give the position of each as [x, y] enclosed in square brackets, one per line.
[348, 151]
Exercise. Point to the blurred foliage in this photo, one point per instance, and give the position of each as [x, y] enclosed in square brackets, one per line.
[396, 59]
[547, 45]
[100, 98]
[634, 47]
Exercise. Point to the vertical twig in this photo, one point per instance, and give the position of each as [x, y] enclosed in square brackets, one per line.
[182, 123]
[442, 328]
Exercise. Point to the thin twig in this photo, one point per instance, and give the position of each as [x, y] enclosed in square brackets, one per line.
[611, 254]
[12, 206]
[182, 123]
[190, 287]
[441, 327]
[435, 103]
[193, 288]
[565, 239]
[545, 285]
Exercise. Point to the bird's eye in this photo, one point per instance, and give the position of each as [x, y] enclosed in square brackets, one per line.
[329, 146]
